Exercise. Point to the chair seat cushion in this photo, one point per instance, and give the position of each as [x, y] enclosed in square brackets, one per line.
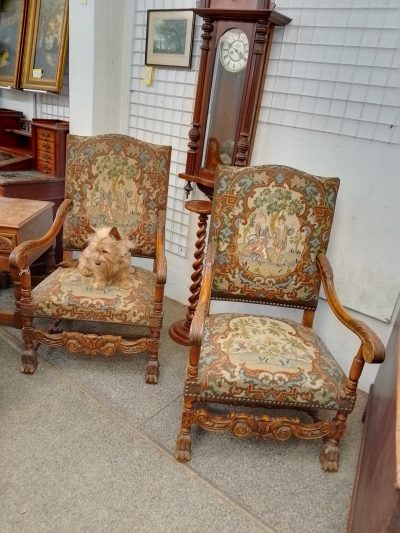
[65, 293]
[258, 360]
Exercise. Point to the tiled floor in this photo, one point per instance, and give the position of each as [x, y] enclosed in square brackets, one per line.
[87, 446]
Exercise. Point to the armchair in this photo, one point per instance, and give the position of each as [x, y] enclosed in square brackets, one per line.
[269, 231]
[115, 181]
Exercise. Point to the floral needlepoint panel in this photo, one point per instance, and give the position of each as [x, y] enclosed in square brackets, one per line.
[268, 361]
[272, 222]
[66, 294]
[115, 180]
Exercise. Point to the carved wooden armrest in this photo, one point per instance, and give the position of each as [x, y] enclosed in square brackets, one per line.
[371, 348]
[26, 252]
[203, 306]
[161, 261]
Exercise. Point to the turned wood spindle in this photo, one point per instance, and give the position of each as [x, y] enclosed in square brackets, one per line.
[179, 331]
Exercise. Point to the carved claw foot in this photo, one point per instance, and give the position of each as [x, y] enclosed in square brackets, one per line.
[329, 457]
[152, 372]
[29, 362]
[183, 450]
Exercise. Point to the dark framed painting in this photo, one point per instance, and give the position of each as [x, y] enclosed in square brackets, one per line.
[169, 37]
[46, 45]
[12, 27]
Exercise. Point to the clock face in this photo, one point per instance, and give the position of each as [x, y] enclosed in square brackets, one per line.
[234, 51]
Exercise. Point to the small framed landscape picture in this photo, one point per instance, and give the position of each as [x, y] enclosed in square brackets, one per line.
[169, 37]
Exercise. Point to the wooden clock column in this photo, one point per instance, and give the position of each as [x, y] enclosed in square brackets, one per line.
[236, 40]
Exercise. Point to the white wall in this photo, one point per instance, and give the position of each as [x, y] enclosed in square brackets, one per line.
[19, 101]
[96, 59]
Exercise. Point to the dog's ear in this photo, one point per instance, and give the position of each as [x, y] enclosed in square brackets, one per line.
[114, 233]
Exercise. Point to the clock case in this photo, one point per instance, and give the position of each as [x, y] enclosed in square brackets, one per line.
[257, 19]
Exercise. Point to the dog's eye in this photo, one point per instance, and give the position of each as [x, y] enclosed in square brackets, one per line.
[105, 252]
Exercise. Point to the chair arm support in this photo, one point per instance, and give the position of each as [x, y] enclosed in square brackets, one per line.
[161, 261]
[372, 349]
[21, 256]
[203, 306]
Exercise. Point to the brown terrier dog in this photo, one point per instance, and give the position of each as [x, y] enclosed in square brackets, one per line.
[106, 259]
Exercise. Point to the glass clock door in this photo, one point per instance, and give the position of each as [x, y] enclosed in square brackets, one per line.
[226, 95]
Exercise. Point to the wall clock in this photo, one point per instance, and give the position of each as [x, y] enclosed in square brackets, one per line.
[236, 39]
[234, 50]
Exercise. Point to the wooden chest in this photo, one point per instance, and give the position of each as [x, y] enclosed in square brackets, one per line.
[48, 146]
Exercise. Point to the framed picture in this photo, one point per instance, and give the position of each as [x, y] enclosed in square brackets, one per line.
[46, 45]
[169, 37]
[12, 26]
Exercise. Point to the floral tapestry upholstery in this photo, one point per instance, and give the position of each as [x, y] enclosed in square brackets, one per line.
[115, 180]
[258, 360]
[269, 223]
[67, 294]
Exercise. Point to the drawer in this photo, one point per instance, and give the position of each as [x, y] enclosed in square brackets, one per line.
[48, 157]
[45, 135]
[45, 167]
[45, 146]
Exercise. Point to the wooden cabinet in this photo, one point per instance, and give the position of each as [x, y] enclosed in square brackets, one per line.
[10, 121]
[33, 185]
[15, 142]
[48, 144]
[375, 505]
[42, 177]
[21, 220]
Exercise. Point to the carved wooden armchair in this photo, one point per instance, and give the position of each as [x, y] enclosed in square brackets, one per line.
[111, 180]
[269, 232]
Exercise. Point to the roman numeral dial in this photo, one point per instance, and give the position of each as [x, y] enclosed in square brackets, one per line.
[234, 51]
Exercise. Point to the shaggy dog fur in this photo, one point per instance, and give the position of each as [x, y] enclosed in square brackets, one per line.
[106, 259]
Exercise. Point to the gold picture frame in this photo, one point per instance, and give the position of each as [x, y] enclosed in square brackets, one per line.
[12, 28]
[46, 45]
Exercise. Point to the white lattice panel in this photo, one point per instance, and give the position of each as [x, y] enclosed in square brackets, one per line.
[335, 68]
[162, 114]
[55, 106]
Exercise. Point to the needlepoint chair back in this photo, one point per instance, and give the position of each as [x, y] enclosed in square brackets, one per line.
[269, 224]
[115, 180]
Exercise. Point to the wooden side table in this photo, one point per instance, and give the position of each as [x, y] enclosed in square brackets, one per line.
[34, 185]
[20, 220]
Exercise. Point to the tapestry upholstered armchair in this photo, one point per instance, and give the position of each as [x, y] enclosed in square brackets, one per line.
[112, 181]
[269, 232]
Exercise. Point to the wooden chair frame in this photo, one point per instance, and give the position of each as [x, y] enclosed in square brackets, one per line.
[281, 428]
[87, 343]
